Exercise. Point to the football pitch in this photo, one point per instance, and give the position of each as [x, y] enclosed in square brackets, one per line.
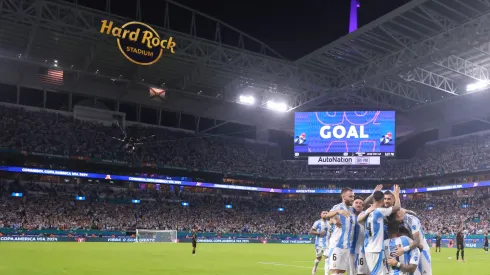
[211, 259]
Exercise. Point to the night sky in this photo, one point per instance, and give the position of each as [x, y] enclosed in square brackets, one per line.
[292, 28]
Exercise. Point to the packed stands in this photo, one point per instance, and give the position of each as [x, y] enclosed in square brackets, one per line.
[52, 206]
[56, 133]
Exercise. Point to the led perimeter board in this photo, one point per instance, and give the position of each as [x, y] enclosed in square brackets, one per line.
[352, 133]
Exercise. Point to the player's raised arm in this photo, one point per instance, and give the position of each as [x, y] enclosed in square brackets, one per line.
[335, 211]
[369, 199]
[362, 217]
[397, 205]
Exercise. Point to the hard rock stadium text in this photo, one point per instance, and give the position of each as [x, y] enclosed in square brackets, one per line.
[149, 38]
[139, 51]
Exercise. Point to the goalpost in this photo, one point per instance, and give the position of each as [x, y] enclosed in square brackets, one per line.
[156, 236]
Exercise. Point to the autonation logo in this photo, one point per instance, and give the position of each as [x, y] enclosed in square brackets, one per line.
[334, 160]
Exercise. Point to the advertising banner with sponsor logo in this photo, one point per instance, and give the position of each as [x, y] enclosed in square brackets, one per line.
[469, 243]
[343, 160]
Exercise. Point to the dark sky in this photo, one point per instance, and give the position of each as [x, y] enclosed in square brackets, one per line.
[293, 28]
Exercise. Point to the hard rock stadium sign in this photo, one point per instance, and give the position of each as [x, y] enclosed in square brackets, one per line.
[138, 42]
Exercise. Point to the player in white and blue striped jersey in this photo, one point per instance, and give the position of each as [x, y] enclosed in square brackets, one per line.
[358, 261]
[408, 262]
[373, 219]
[342, 215]
[322, 230]
[414, 227]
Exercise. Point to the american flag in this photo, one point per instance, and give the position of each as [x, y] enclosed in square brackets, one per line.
[51, 76]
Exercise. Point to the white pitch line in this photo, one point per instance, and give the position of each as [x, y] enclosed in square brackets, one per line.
[286, 265]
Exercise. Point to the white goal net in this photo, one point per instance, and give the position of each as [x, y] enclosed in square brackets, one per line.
[156, 236]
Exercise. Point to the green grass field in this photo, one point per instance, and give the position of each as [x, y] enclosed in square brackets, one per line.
[211, 259]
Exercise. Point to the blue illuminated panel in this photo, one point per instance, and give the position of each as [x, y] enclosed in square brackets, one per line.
[344, 133]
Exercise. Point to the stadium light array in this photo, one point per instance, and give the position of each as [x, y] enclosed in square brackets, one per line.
[477, 86]
[277, 106]
[247, 99]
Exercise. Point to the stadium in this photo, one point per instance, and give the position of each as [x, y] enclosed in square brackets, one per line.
[157, 139]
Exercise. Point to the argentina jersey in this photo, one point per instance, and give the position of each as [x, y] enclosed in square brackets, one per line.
[357, 245]
[411, 257]
[414, 225]
[374, 227]
[321, 241]
[342, 236]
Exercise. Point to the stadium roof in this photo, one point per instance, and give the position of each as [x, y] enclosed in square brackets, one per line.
[422, 53]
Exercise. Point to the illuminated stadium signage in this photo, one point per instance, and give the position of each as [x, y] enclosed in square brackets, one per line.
[15, 169]
[344, 134]
[139, 42]
[344, 160]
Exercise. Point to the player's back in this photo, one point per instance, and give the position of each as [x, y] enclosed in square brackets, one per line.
[414, 225]
[342, 236]
[322, 241]
[409, 257]
[374, 227]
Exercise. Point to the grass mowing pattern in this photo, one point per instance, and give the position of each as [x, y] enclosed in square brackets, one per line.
[211, 259]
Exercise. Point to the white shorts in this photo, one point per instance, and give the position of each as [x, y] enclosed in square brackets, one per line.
[376, 263]
[321, 251]
[339, 258]
[361, 264]
[425, 264]
[352, 264]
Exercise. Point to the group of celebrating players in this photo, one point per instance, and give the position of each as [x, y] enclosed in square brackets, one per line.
[377, 240]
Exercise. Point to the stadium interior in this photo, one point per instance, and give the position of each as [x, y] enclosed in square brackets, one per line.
[228, 141]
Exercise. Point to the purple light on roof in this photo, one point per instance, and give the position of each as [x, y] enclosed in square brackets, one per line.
[354, 4]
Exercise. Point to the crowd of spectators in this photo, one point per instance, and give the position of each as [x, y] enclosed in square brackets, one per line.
[445, 214]
[53, 206]
[49, 206]
[54, 133]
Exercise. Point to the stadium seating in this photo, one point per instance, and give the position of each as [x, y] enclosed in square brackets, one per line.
[53, 133]
[52, 206]
[108, 209]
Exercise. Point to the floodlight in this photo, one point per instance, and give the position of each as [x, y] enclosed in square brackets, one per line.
[277, 106]
[480, 85]
[247, 99]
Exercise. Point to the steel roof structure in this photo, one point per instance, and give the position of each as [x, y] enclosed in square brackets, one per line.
[423, 53]
[217, 65]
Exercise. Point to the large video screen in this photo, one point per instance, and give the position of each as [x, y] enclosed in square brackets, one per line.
[352, 133]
